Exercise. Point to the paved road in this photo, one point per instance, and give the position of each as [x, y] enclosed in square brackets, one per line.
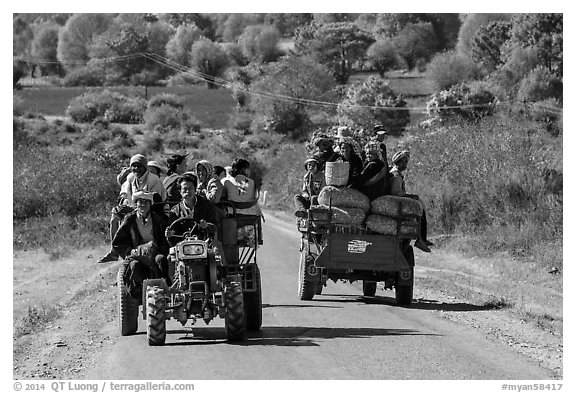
[338, 335]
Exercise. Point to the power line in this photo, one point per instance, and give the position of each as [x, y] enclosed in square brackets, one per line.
[198, 75]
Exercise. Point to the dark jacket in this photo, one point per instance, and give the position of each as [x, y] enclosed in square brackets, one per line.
[128, 237]
[203, 210]
[356, 166]
[365, 181]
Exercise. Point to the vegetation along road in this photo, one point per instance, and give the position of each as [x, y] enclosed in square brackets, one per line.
[338, 335]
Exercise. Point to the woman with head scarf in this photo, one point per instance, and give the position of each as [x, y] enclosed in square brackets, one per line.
[176, 167]
[204, 170]
[348, 154]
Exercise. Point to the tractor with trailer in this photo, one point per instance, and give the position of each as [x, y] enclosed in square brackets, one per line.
[335, 251]
[209, 279]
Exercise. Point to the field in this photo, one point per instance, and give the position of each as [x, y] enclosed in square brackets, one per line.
[211, 107]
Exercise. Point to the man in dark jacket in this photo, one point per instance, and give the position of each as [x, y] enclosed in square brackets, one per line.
[374, 180]
[140, 240]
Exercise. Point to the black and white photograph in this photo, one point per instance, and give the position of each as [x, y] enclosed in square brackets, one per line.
[342, 201]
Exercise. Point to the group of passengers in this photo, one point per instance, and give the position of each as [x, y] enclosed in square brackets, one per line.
[369, 171]
[153, 196]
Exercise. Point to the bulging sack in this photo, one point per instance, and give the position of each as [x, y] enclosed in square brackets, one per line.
[345, 215]
[383, 225]
[344, 197]
[336, 173]
[395, 206]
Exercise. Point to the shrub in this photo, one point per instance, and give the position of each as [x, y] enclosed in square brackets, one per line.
[111, 106]
[167, 117]
[451, 68]
[489, 178]
[48, 180]
[90, 75]
[166, 99]
[539, 85]
[365, 105]
[469, 102]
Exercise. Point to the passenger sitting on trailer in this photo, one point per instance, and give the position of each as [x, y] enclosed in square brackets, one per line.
[398, 188]
[312, 184]
[374, 180]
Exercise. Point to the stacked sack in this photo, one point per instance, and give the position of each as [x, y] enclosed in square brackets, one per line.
[349, 207]
[393, 215]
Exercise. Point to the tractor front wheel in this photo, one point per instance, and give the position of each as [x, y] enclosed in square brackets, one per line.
[234, 321]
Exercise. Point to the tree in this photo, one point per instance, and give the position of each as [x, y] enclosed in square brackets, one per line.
[336, 45]
[159, 34]
[487, 42]
[366, 105]
[543, 32]
[210, 59]
[178, 48]
[260, 43]
[44, 47]
[279, 96]
[234, 26]
[129, 44]
[383, 56]
[22, 36]
[77, 35]
[416, 42]
[471, 24]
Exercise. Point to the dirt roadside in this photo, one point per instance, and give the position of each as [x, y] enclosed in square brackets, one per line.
[71, 303]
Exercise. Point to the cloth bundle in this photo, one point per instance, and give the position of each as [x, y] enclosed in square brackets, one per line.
[344, 197]
[395, 206]
[345, 216]
[393, 215]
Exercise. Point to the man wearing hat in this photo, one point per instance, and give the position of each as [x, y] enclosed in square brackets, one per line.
[176, 167]
[324, 150]
[141, 241]
[140, 179]
[312, 184]
[398, 188]
[156, 168]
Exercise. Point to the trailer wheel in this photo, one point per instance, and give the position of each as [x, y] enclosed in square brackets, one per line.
[307, 275]
[253, 303]
[369, 288]
[404, 294]
[127, 307]
[318, 288]
[155, 308]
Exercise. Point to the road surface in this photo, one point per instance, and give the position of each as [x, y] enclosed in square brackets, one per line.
[338, 335]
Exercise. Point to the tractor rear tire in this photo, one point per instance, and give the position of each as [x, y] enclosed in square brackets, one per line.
[369, 288]
[253, 303]
[307, 275]
[155, 308]
[318, 288]
[235, 320]
[127, 307]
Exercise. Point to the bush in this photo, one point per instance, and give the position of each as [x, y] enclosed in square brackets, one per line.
[364, 106]
[164, 118]
[539, 85]
[106, 104]
[17, 105]
[90, 75]
[48, 180]
[489, 178]
[166, 99]
[451, 68]
[469, 102]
